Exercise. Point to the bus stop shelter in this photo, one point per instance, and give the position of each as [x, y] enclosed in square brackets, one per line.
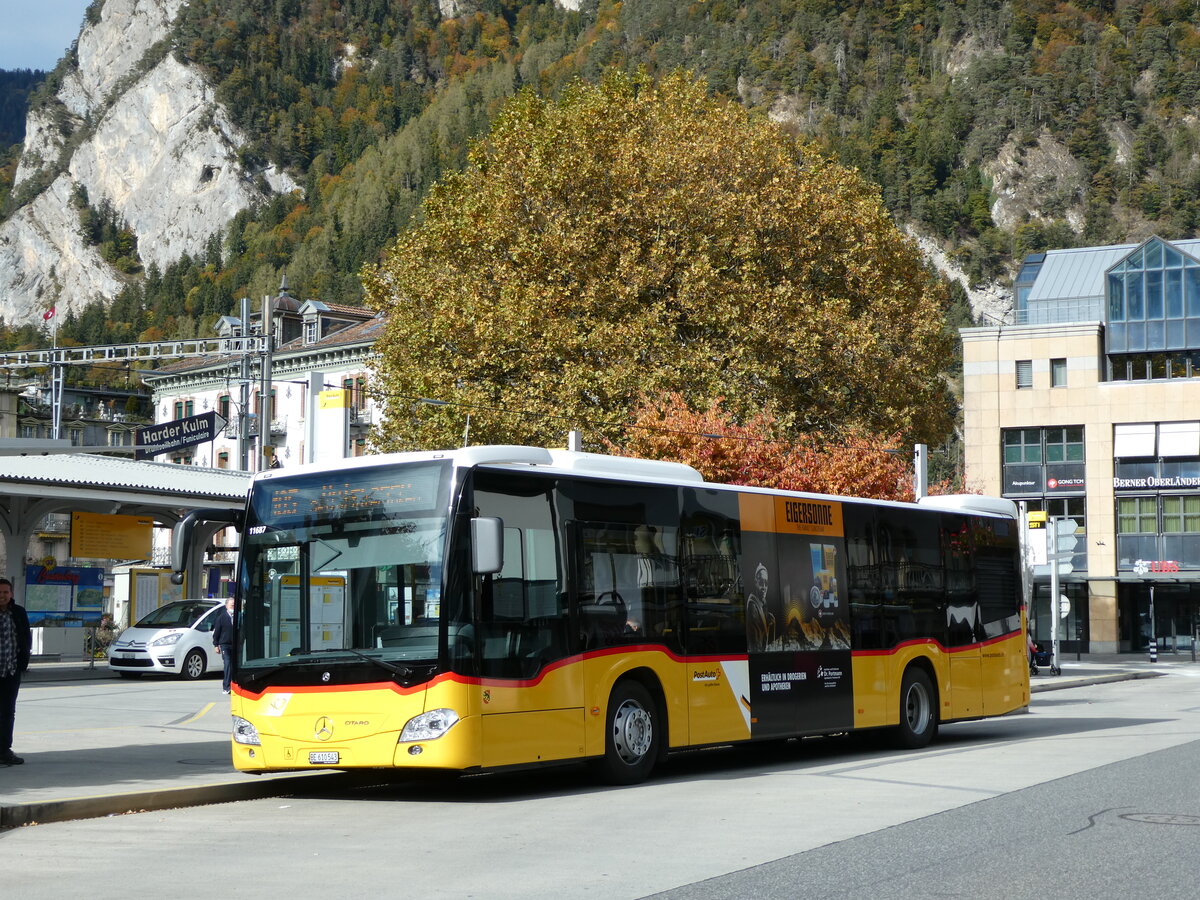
[34, 486]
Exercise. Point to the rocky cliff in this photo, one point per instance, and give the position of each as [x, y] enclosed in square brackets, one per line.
[136, 128]
[139, 132]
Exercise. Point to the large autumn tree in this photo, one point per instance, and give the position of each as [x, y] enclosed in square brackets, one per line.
[634, 239]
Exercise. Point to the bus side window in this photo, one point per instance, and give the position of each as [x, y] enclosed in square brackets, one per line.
[999, 589]
[629, 584]
[710, 559]
[912, 576]
[964, 625]
[863, 575]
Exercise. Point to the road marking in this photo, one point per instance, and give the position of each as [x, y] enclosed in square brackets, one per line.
[186, 719]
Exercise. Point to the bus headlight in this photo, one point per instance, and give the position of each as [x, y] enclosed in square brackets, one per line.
[244, 732]
[429, 726]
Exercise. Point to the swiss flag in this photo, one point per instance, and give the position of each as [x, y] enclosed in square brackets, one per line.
[48, 314]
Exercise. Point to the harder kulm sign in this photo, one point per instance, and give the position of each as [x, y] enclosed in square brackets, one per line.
[152, 440]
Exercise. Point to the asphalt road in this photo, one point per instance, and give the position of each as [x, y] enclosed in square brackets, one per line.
[1093, 794]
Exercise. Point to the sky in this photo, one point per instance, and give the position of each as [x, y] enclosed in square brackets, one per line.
[35, 34]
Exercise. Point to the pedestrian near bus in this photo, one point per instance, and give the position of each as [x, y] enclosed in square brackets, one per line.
[16, 644]
[223, 641]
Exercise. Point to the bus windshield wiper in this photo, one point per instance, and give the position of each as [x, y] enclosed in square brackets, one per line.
[402, 671]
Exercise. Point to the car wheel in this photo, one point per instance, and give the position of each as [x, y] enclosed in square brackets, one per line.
[918, 710]
[193, 665]
[632, 741]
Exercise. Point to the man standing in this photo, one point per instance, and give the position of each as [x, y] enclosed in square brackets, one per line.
[223, 641]
[16, 644]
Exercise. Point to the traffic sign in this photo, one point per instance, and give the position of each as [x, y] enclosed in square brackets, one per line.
[1065, 541]
[151, 440]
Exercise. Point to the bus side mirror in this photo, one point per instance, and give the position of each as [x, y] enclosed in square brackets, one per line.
[487, 545]
[181, 535]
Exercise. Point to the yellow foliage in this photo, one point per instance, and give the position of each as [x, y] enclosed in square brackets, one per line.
[635, 239]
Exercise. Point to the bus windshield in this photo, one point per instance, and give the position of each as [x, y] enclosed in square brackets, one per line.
[341, 567]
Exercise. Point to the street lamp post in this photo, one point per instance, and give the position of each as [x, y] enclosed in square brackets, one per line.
[1052, 545]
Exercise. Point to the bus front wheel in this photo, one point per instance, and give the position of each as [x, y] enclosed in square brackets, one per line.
[633, 735]
[918, 710]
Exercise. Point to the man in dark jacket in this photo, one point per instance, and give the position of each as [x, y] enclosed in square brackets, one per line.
[223, 641]
[16, 644]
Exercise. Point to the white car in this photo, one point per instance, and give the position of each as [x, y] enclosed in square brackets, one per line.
[175, 639]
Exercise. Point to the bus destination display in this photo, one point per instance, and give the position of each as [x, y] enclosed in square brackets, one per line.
[336, 497]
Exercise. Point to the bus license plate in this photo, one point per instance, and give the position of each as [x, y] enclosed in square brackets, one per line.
[322, 757]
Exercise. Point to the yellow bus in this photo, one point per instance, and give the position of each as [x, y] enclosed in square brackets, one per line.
[504, 607]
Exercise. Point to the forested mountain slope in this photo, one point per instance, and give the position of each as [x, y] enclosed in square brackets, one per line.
[991, 129]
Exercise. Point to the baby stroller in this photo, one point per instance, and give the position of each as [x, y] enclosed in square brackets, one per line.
[1041, 657]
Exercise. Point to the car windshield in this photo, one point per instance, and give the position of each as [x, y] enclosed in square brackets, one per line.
[182, 614]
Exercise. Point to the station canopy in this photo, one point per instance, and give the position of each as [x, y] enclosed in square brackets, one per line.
[34, 486]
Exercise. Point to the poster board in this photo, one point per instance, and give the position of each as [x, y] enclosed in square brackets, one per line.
[64, 596]
[97, 536]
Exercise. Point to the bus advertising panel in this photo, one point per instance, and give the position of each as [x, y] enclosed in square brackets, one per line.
[798, 625]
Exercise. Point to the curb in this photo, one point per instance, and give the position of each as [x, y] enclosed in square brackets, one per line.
[102, 805]
[1097, 679]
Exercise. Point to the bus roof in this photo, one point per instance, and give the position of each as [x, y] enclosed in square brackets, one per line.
[604, 466]
[568, 461]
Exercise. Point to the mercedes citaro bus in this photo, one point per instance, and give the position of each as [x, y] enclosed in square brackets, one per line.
[502, 607]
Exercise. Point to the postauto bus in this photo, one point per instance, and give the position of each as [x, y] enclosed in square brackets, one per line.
[496, 607]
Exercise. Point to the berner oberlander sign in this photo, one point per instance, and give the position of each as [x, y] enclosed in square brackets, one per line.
[151, 440]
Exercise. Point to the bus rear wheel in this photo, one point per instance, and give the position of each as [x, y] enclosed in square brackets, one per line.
[633, 734]
[918, 710]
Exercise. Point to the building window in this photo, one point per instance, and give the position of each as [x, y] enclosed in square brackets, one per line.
[179, 409]
[1075, 509]
[1137, 532]
[1181, 515]
[1022, 445]
[1064, 444]
[189, 407]
[1137, 515]
[1181, 530]
[1044, 461]
[223, 407]
[1058, 373]
[269, 413]
[223, 459]
[356, 392]
[312, 331]
[1179, 439]
[1024, 283]
[1024, 374]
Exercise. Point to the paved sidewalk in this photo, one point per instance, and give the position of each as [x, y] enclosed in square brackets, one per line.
[81, 765]
[95, 745]
[1098, 668]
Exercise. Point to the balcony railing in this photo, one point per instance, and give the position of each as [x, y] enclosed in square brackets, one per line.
[1059, 312]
